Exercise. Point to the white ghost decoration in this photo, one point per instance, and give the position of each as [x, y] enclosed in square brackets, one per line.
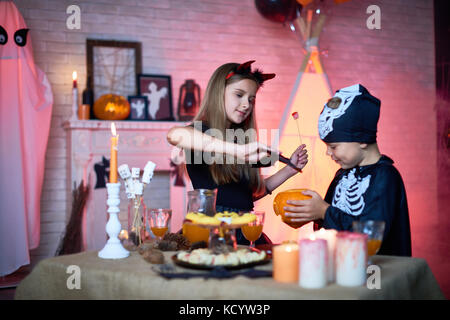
[26, 102]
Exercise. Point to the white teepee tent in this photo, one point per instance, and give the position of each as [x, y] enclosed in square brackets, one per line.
[311, 90]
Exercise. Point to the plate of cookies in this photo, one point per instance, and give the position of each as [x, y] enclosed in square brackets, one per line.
[207, 259]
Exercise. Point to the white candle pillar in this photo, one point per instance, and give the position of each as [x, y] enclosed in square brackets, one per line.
[330, 237]
[351, 258]
[313, 263]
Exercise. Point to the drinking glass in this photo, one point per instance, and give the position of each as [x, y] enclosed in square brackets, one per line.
[159, 219]
[375, 231]
[253, 230]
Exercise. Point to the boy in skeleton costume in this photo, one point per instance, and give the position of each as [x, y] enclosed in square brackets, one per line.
[368, 186]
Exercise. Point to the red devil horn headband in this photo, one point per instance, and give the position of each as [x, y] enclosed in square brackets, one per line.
[245, 68]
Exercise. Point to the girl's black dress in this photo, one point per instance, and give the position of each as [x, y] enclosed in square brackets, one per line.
[235, 196]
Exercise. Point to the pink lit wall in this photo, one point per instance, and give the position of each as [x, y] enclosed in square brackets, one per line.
[190, 38]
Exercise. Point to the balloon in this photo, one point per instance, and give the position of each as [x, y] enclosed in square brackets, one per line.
[280, 11]
[304, 2]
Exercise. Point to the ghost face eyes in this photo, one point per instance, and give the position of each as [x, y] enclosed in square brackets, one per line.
[20, 37]
[3, 36]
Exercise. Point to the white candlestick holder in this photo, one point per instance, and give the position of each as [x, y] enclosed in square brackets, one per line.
[113, 248]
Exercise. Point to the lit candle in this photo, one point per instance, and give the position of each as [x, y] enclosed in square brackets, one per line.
[313, 263]
[351, 258]
[285, 263]
[74, 78]
[330, 236]
[113, 161]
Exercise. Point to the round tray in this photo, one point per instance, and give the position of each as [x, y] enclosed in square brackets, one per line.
[189, 265]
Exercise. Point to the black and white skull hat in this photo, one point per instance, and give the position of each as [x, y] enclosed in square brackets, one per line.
[354, 120]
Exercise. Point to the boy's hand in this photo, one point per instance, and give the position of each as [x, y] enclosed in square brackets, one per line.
[307, 210]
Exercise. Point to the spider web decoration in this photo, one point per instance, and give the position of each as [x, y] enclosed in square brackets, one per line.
[114, 71]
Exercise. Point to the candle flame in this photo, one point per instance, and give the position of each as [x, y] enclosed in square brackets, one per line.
[113, 129]
[74, 75]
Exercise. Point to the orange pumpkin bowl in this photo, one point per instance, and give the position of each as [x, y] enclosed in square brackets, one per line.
[280, 202]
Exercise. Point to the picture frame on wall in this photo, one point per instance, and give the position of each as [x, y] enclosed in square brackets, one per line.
[138, 108]
[158, 90]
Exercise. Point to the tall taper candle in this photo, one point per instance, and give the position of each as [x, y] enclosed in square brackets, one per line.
[113, 161]
[74, 96]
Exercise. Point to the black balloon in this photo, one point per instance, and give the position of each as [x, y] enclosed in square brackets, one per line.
[280, 11]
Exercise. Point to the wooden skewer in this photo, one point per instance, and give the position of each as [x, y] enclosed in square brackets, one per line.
[298, 129]
[295, 116]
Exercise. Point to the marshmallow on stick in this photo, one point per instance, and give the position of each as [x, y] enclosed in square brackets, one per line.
[125, 174]
[148, 172]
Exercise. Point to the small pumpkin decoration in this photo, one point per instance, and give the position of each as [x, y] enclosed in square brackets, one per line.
[111, 107]
[280, 201]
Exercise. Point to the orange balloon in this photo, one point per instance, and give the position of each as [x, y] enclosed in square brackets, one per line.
[280, 201]
[304, 2]
[111, 107]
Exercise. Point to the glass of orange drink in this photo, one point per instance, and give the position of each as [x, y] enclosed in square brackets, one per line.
[253, 230]
[374, 230]
[158, 220]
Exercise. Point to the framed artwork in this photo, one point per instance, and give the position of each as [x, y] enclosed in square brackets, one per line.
[138, 108]
[112, 66]
[158, 90]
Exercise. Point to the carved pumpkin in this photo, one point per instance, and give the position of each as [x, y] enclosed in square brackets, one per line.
[111, 107]
[280, 201]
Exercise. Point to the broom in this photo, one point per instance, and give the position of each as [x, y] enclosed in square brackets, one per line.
[72, 241]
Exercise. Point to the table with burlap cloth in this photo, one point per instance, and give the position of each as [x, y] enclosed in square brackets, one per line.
[135, 278]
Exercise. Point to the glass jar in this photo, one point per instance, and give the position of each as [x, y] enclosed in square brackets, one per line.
[136, 221]
[203, 201]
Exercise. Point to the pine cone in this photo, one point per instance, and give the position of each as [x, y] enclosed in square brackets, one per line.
[182, 242]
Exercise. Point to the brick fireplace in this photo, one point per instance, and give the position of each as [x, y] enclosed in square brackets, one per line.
[88, 141]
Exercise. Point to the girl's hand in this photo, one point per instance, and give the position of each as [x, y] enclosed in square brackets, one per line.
[307, 210]
[253, 152]
[299, 158]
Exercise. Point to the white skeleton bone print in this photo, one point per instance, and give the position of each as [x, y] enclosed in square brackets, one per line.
[348, 193]
[328, 114]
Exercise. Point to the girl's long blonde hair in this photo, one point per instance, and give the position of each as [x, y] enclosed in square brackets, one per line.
[212, 113]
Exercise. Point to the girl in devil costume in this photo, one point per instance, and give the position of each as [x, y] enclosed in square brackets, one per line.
[222, 151]
[368, 186]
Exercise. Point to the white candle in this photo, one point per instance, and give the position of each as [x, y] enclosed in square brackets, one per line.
[351, 258]
[74, 96]
[313, 263]
[330, 237]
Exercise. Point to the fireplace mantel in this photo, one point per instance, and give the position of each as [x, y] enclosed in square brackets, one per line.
[139, 141]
